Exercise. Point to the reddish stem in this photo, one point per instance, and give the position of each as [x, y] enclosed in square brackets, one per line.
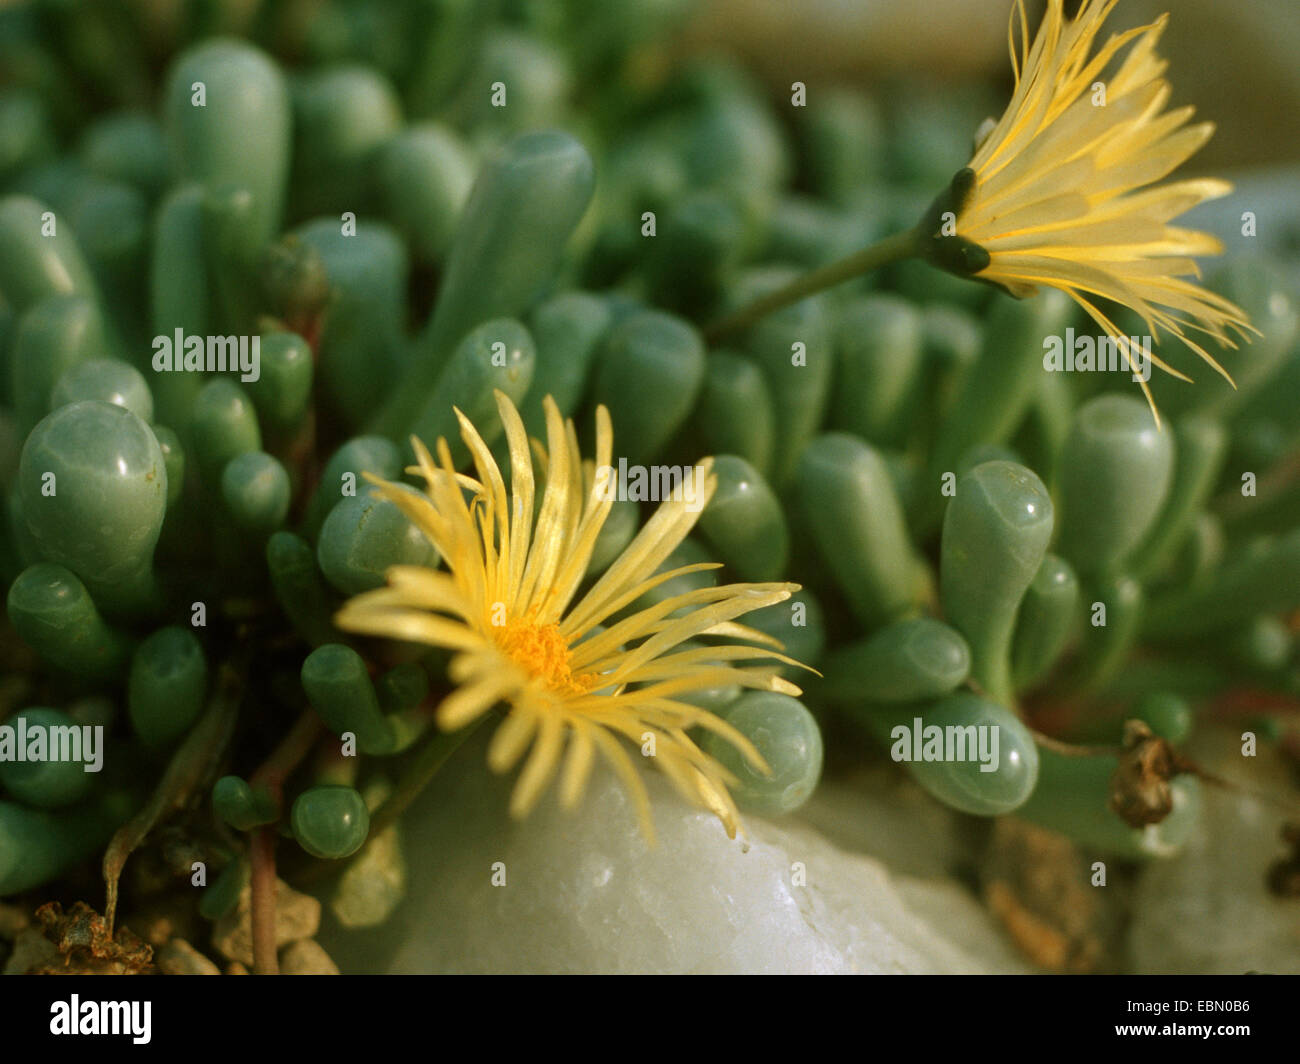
[272, 774]
[288, 755]
[262, 891]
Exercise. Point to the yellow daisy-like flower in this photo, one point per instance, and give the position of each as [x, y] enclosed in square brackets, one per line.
[506, 606]
[1057, 195]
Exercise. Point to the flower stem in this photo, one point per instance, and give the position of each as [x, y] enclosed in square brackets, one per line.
[262, 901]
[891, 249]
[262, 889]
[288, 755]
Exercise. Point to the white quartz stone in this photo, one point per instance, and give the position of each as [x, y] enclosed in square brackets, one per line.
[881, 811]
[583, 893]
[1208, 910]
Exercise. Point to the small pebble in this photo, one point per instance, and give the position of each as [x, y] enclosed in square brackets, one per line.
[373, 883]
[178, 957]
[306, 958]
[31, 950]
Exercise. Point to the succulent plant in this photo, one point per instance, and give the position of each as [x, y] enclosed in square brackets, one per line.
[224, 317]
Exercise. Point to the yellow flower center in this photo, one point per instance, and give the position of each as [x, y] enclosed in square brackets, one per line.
[541, 651]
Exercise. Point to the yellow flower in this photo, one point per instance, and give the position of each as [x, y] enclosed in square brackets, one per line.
[1057, 195]
[506, 606]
